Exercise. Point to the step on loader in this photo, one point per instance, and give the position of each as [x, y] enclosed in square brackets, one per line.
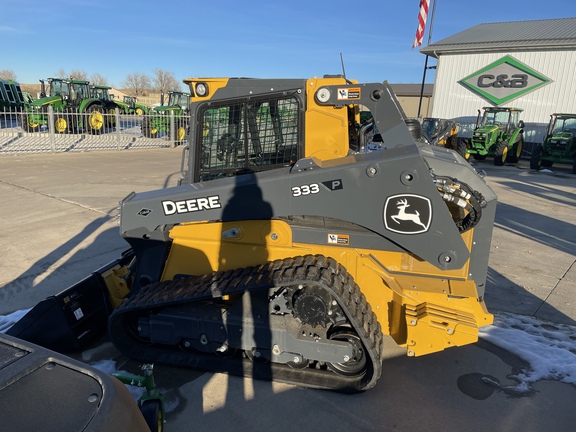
[289, 250]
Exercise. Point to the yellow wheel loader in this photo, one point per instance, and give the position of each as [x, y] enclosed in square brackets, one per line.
[289, 249]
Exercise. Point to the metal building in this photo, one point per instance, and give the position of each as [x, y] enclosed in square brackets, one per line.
[409, 97]
[524, 64]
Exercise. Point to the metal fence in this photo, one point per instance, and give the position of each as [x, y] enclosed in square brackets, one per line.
[119, 132]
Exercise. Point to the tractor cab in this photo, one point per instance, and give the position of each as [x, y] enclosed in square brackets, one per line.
[179, 100]
[71, 91]
[101, 92]
[559, 145]
[504, 119]
[562, 125]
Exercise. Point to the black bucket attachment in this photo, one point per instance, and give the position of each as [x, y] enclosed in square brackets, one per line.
[69, 320]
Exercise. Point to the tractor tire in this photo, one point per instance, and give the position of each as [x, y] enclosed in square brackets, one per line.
[516, 153]
[152, 413]
[181, 131]
[28, 124]
[148, 130]
[61, 124]
[94, 120]
[111, 117]
[463, 149]
[535, 162]
[501, 153]
[139, 111]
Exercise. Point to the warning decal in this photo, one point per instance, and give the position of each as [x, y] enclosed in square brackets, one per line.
[341, 239]
[349, 93]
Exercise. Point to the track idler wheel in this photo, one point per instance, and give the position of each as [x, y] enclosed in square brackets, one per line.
[357, 364]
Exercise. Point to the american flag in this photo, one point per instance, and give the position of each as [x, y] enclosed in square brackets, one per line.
[421, 23]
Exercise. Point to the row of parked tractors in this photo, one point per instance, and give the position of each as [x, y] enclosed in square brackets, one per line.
[499, 134]
[77, 106]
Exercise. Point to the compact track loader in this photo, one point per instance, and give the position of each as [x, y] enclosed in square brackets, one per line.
[289, 249]
[441, 132]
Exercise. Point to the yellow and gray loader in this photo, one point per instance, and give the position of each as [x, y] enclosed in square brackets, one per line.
[289, 250]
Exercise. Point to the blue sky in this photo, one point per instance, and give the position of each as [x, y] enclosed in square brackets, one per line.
[272, 39]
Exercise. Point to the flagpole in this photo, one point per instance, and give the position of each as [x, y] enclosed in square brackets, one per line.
[426, 61]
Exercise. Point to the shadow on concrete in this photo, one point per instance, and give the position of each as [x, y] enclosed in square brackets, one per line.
[540, 228]
[460, 389]
[48, 276]
[544, 256]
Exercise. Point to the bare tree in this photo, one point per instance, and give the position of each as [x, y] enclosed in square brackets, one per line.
[97, 79]
[79, 74]
[74, 74]
[7, 74]
[165, 81]
[138, 84]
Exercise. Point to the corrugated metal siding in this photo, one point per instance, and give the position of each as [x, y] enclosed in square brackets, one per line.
[452, 100]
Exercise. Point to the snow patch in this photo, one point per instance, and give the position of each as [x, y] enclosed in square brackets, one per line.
[549, 348]
[7, 321]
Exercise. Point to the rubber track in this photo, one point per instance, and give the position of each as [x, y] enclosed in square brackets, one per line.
[302, 270]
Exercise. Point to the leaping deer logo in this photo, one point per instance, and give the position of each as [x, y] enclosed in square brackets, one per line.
[402, 205]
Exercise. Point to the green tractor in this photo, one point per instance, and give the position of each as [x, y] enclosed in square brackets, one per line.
[158, 121]
[559, 145]
[129, 104]
[498, 133]
[101, 92]
[74, 108]
[133, 107]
